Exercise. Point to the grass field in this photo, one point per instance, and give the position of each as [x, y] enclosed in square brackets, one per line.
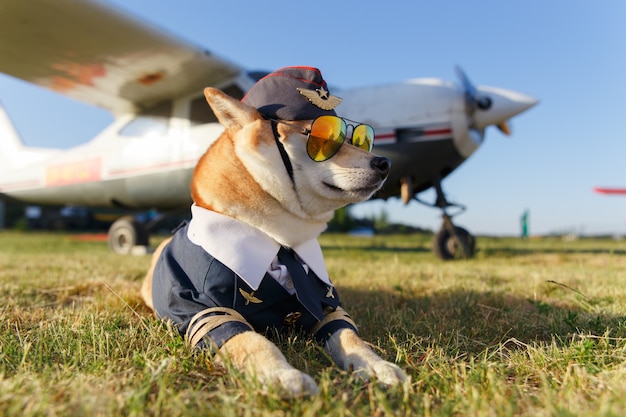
[528, 327]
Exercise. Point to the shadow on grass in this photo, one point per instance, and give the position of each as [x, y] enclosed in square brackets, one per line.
[379, 248]
[486, 246]
[467, 322]
[511, 251]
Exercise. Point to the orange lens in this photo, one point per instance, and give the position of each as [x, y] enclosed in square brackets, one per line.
[363, 137]
[327, 135]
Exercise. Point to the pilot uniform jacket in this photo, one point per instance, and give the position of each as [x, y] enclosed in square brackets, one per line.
[205, 298]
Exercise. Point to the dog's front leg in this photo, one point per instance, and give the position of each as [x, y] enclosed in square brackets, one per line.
[252, 353]
[351, 353]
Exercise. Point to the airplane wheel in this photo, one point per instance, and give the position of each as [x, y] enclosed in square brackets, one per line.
[446, 247]
[126, 233]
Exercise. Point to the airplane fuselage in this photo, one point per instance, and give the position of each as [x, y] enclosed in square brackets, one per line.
[144, 167]
[145, 161]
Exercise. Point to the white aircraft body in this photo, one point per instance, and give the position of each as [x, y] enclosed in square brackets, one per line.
[152, 82]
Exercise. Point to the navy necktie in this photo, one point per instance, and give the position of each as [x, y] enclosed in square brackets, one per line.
[306, 288]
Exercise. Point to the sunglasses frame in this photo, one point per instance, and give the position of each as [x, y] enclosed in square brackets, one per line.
[307, 132]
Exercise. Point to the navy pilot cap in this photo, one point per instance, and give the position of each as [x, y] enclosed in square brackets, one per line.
[292, 93]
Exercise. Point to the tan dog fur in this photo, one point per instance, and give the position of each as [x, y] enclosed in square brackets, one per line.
[242, 175]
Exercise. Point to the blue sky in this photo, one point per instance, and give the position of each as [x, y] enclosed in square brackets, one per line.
[571, 55]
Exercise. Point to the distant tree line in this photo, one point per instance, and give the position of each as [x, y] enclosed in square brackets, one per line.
[379, 223]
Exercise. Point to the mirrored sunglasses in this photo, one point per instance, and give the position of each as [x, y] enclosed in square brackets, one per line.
[327, 134]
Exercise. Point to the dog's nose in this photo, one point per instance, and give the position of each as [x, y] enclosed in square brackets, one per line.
[381, 164]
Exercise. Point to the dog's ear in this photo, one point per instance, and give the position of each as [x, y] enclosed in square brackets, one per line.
[230, 112]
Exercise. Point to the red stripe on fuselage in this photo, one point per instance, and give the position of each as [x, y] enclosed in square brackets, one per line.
[438, 132]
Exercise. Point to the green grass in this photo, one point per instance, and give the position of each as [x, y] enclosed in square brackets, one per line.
[528, 327]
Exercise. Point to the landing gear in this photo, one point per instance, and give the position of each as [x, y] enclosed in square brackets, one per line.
[130, 235]
[453, 242]
[127, 235]
[450, 242]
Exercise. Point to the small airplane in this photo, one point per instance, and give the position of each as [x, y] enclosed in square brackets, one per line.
[152, 82]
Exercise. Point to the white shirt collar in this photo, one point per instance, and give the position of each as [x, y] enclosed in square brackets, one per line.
[244, 249]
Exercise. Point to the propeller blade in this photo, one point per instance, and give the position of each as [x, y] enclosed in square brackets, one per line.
[473, 100]
[470, 90]
[477, 135]
[504, 128]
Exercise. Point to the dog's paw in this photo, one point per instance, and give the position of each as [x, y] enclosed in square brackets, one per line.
[387, 373]
[351, 353]
[294, 383]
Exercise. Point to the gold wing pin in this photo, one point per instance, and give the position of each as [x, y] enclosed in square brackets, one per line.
[250, 298]
[321, 98]
[329, 293]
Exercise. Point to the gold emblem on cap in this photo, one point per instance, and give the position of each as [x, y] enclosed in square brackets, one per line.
[250, 298]
[321, 98]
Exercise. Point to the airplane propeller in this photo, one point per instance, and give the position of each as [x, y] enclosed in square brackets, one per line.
[494, 108]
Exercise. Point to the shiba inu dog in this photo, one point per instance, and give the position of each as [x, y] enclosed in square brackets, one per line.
[249, 259]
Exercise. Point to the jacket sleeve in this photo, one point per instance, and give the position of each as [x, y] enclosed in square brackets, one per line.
[191, 290]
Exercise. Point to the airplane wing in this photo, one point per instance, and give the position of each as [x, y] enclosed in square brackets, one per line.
[93, 53]
[604, 190]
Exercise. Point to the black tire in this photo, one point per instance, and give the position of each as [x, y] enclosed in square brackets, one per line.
[125, 233]
[446, 247]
